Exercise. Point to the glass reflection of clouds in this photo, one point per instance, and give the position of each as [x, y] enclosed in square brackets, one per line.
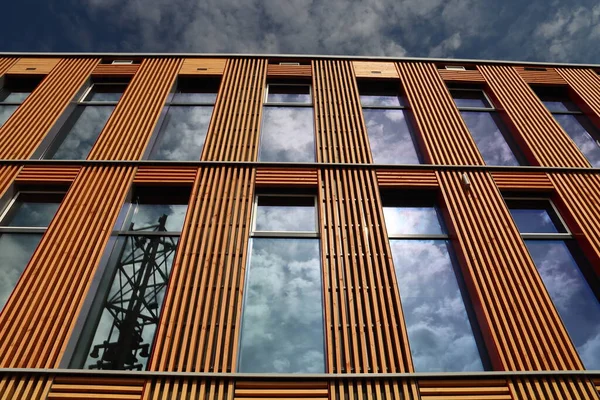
[575, 301]
[382, 100]
[285, 218]
[6, 112]
[30, 214]
[412, 220]
[15, 97]
[282, 323]
[15, 251]
[578, 128]
[440, 334]
[195, 97]
[287, 135]
[534, 220]
[147, 215]
[390, 136]
[485, 129]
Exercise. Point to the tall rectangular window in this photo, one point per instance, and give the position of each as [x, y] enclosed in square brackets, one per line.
[287, 133]
[282, 320]
[80, 131]
[13, 93]
[184, 127]
[441, 327]
[491, 136]
[572, 284]
[22, 225]
[119, 330]
[389, 126]
[570, 117]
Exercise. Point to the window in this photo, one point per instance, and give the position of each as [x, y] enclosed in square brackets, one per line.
[442, 331]
[22, 225]
[572, 120]
[83, 126]
[495, 143]
[187, 117]
[568, 276]
[282, 320]
[287, 133]
[386, 114]
[122, 319]
[13, 93]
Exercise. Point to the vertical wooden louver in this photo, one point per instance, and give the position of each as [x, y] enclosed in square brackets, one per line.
[131, 124]
[586, 83]
[189, 389]
[25, 387]
[539, 135]
[234, 127]
[24, 130]
[51, 290]
[339, 125]
[444, 135]
[200, 321]
[5, 64]
[560, 388]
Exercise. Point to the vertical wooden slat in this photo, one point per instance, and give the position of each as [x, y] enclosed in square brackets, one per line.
[586, 84]
[541, 138]
[6, 63]
[23, 131]
[131, 124]
[188, 389]
[36, 321]
[559, 388]
[25, 387]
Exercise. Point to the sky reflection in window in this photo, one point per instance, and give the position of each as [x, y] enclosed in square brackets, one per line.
[390, 136]
[412, 220]
[579, 129]
[15, 251]
[287, 135]
[486, 131]
[285, 214]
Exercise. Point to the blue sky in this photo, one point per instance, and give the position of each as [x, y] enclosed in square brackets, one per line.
[537, 30]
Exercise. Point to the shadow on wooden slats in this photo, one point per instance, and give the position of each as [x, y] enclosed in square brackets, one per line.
[289, 71]
[526, 181]
[189, 389]
[467, 76]
[540, 75]
[407, 179]
[281, 390]
[33, 174]
[462, 389]
[553, 388]
[25, 387]
[33, 66]
[109, 70]
[374, 389]
[98, 387]
[286, 177]
[165, 175]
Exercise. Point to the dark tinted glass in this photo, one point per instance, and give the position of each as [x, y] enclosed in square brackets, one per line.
[106, 92]
[195, 90]
[583, 133]
[382, 100]
[6, 112]
[194, 97]
[286, 214]
[287, 135]
[7, 96]
[470, 98]
[535, 218]
[412, 221]
[157, 217]
[32, 210]
[555, 99]
[390, 136]
[289, 94]
[15, 251]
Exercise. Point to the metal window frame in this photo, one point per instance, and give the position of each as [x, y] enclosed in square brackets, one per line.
[288, 104]
[82, 100]
[492, 106]
[12, 201]
[567, 235]
[283, 234]
[383, 107]
[420, 236]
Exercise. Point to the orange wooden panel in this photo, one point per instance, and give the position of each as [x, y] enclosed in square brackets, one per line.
[165, 175]
[280, 390]
[520, 325]
[8, 173]
[586, 84]
[36, 322]
[33, 174]
[341, 135]
[548, 77]
[116, 70]
[286, 177]
[443, 133]
[202, 307]
[374, 389]
[189, 389]
[94, 387]
[289, 71]
[23, 131]
[34, 66]
[6, 63]
[466, 76]
[464, 389]
[203, 66]
[25, 387]
[374, 69]
[558, 388]
[131, 124]
[539, 135]
[526, 181]
[234, 126]
[407, 179]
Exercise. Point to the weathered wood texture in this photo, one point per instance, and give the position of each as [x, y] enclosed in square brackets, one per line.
[586, 85]
[25, 387]
[407, 179]
[115, 71]
[33, 66]
[548, 77]
[131, 124]
[234, 127]
[96, 387]
[374, 69]
[289, 71]
[65, 261]
[167, 176]
[444, 137]
[341, 135]
[467, 76]
[33, 174]
[540, 137]
[200, 321]
[523, 181]
[520, 325]
[279, 177]
[203, 66]
[23, 131]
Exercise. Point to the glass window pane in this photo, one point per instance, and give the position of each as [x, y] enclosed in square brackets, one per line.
[194, 97]
[576, 303]
[559, 105]
[282, 323]
[535, 220]
[412, 220]
[382, 100]
[287, 135]
[487, 131]
[289, 94]
[470, 98]
[440, 333]
[15, 251]
[149, 217]
[182, 133]
[390, 137]
[25, 213]
[9, 96]
[580, 130]
[6, 112]
[100, 92]
[82, 129]
[290, 214]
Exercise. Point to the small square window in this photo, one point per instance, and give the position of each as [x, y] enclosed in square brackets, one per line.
[285, 214]
[535, 216]
[470, 98]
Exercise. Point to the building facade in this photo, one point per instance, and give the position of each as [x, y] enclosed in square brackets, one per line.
[247, 227]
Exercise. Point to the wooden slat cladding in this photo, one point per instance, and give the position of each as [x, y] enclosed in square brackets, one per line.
[407, 179]
[165, 175]
[467, 76]
[8, 173]
[203, 66]
[520, 325]
[364, 323]
[373, 69]
[131, 124]
[24, 130]
[374, 389]
[33, 66]
[463, 389]
[289, 390]
[110, 70]
[96, 387]
[340, 129]
[36, 321]
[559, 388]
[286, 177]
[33, 174]
[289, 71]
[541, 138]
[25, 387]
[525, 181]
[444, 135]
[234, 127]
[586, 84]
[189, 389]
[200, 321]
[6, 63]
[540, 75]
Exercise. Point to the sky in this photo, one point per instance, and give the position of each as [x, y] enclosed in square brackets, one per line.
[535, 30]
